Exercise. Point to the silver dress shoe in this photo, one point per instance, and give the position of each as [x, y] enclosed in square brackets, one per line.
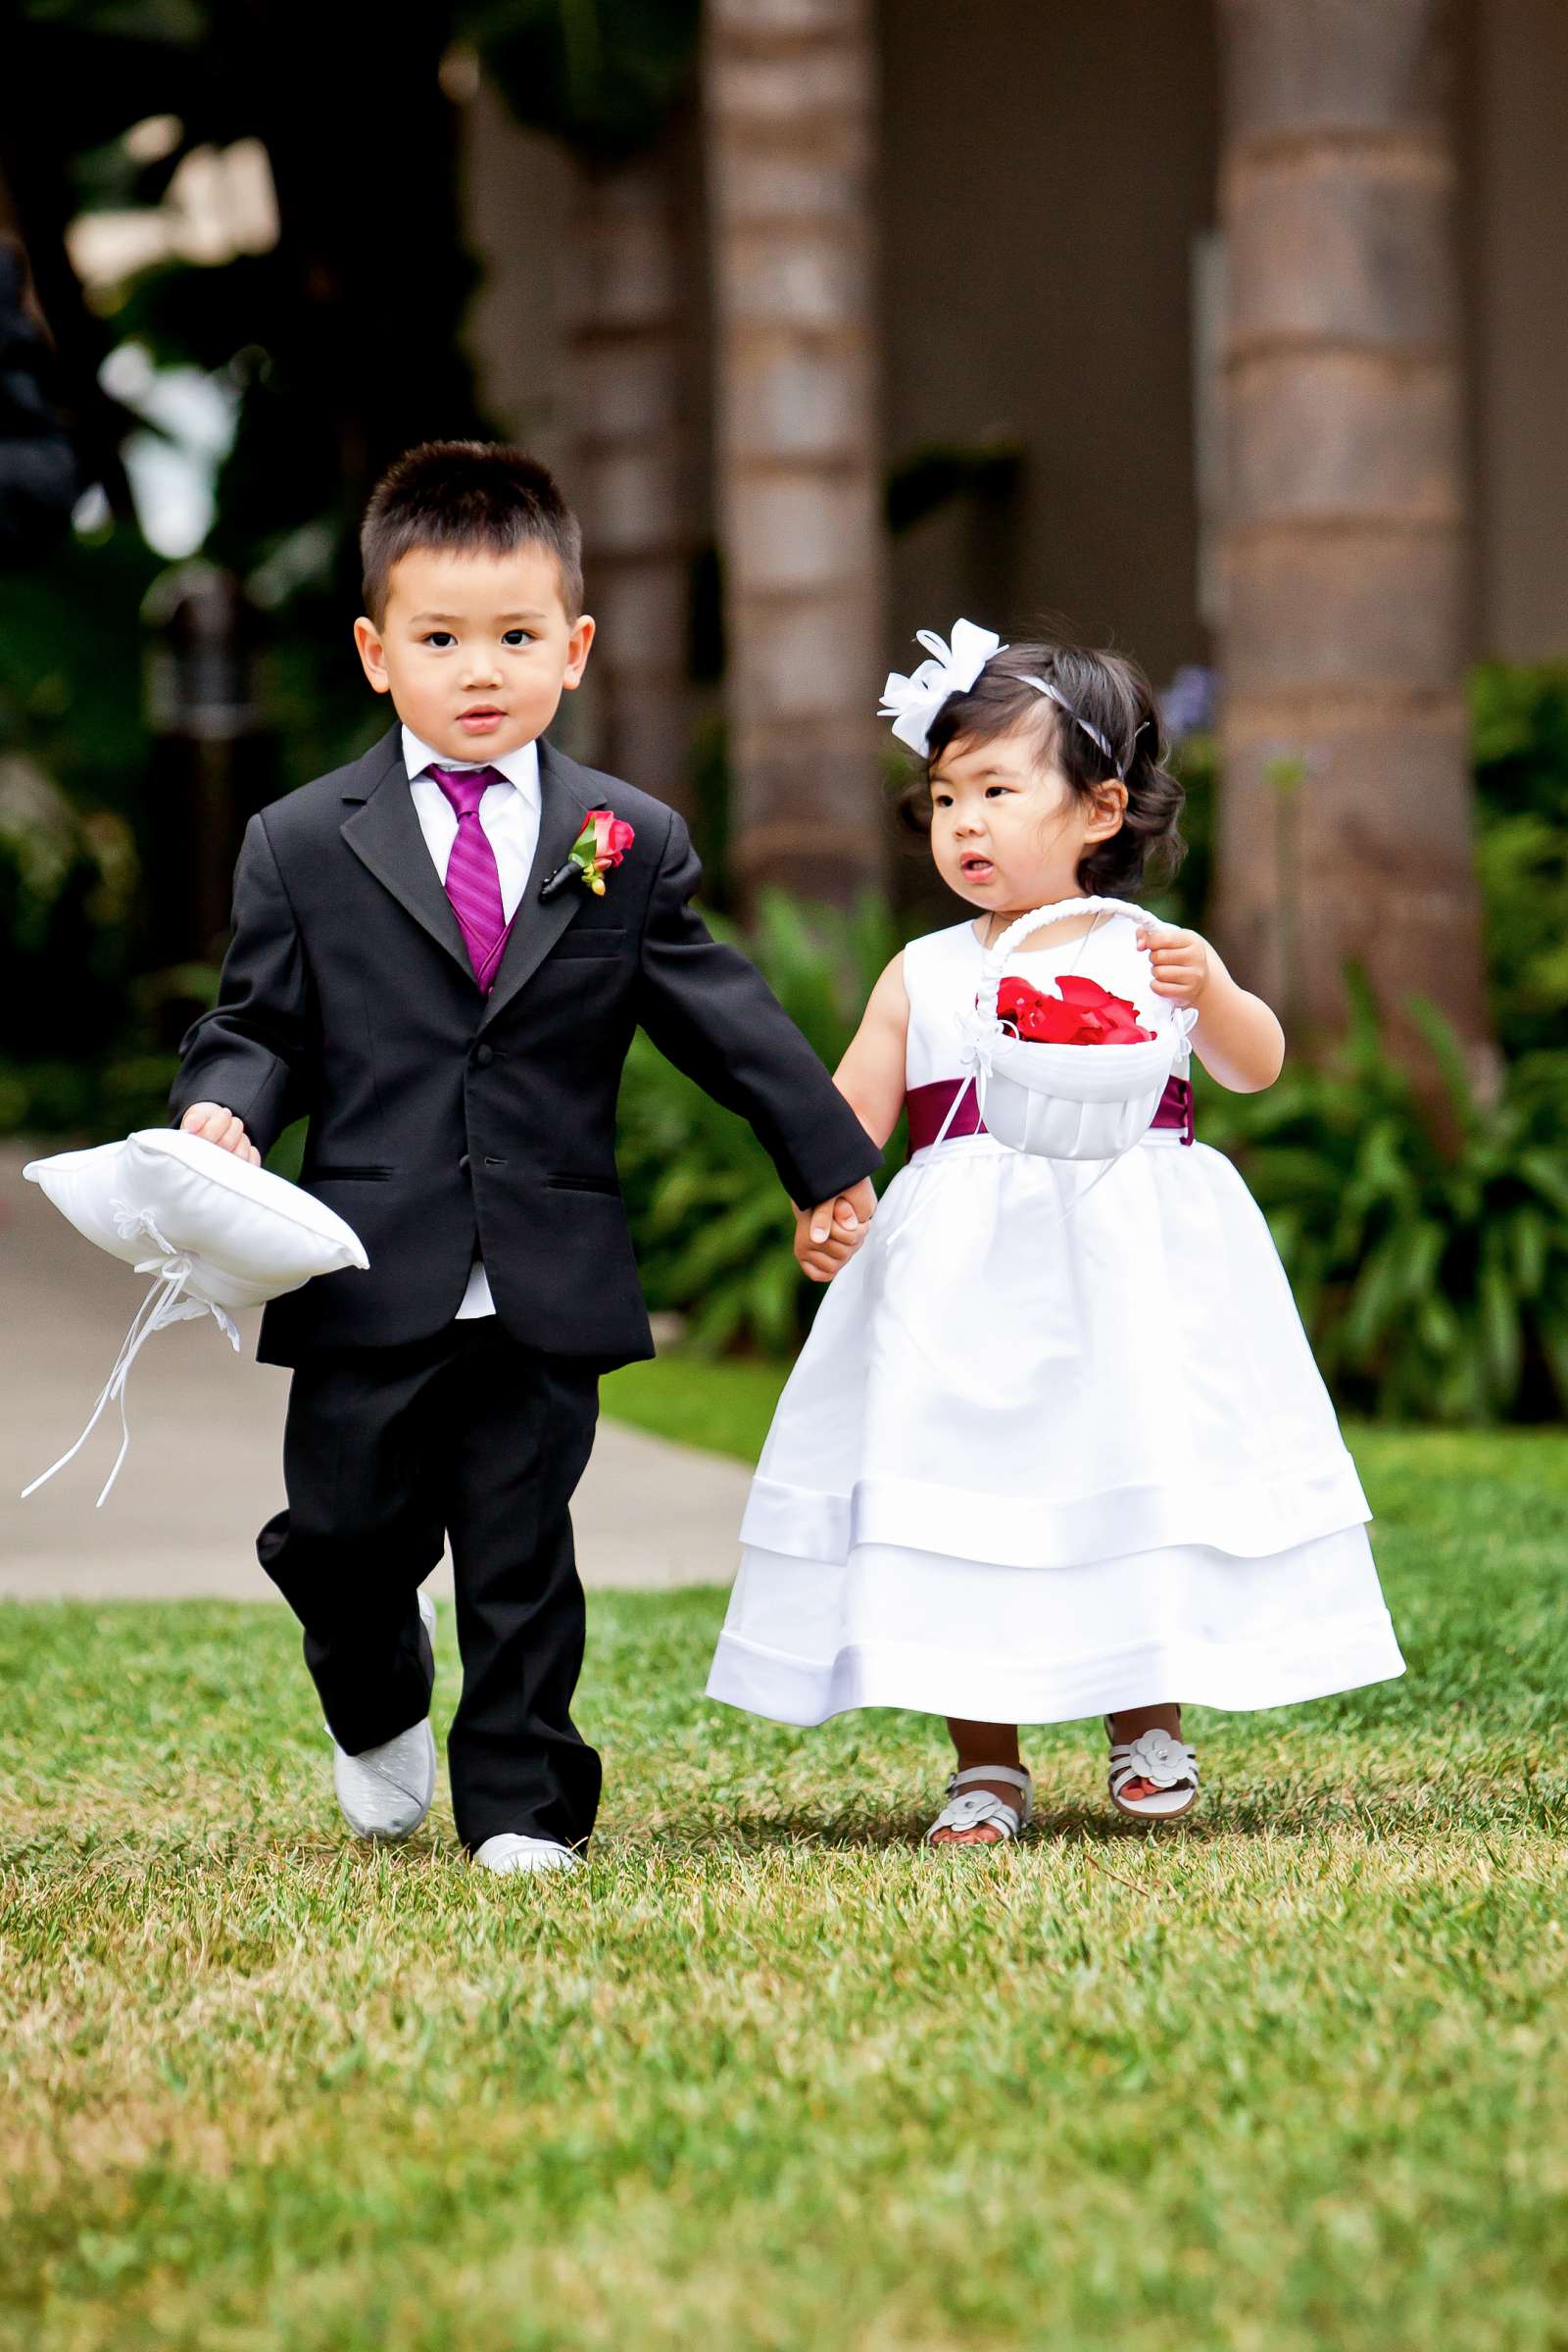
[386, 1791]
[507, 1853]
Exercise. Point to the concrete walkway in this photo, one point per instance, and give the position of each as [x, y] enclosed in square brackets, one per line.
[204, 1470]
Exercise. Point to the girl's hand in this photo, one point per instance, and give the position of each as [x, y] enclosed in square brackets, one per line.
[1236, 1037]
[828, 1237]
[1183, 965]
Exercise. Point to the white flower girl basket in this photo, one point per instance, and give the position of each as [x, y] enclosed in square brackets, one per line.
[1070, 1102]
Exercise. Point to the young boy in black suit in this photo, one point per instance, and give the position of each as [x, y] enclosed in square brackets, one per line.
[440, 954]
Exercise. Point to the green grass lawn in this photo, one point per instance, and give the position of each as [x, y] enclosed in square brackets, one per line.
[768, 2075]
[724, 1406]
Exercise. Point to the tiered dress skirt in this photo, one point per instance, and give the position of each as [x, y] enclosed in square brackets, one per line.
[1050, 1452]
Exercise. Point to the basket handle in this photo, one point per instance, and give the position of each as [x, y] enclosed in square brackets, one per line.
[1039, 919]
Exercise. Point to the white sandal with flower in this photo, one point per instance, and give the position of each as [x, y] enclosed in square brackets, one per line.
[1160, 1768]
[983, 1808]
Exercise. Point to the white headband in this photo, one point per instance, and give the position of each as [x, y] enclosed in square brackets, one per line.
[1095, 736]
[912, 703]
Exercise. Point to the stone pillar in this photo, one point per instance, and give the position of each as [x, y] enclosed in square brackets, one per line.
[1345, 818]
[789, 89]
[631, 469]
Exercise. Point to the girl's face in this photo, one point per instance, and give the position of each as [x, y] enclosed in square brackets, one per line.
[1007, 830]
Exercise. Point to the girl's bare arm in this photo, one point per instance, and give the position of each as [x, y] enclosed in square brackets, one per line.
[870, 1077]
[1237, 1038]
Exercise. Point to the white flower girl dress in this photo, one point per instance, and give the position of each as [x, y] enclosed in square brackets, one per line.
[1057, 1445]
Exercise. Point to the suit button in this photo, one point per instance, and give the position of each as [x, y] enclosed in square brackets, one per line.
[484, 1055]
[463, 1166]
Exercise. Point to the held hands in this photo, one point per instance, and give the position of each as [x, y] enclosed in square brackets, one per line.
[1183, 965]
[220, 1127]
[827, 1236]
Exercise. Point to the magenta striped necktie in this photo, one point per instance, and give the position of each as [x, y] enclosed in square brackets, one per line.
[473, 880]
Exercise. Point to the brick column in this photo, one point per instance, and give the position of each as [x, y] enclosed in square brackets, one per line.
[629, 328]
[789, 105]
[1344, 825]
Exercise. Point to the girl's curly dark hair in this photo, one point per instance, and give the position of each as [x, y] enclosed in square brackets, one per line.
[1115, 699]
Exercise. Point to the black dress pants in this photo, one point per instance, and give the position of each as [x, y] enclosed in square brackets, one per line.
[387, 1450]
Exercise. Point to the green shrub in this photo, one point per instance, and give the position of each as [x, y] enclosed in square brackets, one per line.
[1519, 731]
[85, 1101]
[1431, 1271]
[67, 880]
[1520, 722]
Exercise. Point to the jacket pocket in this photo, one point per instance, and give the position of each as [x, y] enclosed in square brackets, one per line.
[336, 1174]
[598, 939]
[583, 1183]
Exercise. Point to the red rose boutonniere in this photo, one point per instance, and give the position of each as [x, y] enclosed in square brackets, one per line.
[602, 844]
[1081, 1014]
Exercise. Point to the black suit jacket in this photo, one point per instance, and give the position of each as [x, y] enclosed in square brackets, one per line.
[442, 1121]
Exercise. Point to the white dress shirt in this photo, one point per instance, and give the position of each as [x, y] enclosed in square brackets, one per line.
[509, 815]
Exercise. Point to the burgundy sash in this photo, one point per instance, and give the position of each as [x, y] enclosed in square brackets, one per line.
[928, 1105]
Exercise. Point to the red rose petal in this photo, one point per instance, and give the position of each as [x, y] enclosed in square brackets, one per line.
[1060, 1022]
[1078, 989]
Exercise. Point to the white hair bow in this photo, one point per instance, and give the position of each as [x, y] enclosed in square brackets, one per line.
[912, 703]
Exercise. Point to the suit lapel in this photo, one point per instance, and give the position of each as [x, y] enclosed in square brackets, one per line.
[538, 924]
[384, 834]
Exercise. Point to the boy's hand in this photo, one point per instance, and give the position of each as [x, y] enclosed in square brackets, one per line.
[220, 1127]
[827, 1236]
[1181, 961]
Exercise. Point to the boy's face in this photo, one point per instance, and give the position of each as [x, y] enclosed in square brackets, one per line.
[475, 650]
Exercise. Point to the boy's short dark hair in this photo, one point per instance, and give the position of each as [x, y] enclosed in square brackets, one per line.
[472, 496]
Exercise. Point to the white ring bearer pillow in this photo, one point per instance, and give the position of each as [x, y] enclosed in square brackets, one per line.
[1070, 1102]
[217, 1235]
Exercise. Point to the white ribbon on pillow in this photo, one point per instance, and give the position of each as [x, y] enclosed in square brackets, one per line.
[218, 1235]
[164, 1304]
[913, 702]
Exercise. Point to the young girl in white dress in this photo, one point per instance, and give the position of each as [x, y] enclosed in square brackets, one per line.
[1057, 1445]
